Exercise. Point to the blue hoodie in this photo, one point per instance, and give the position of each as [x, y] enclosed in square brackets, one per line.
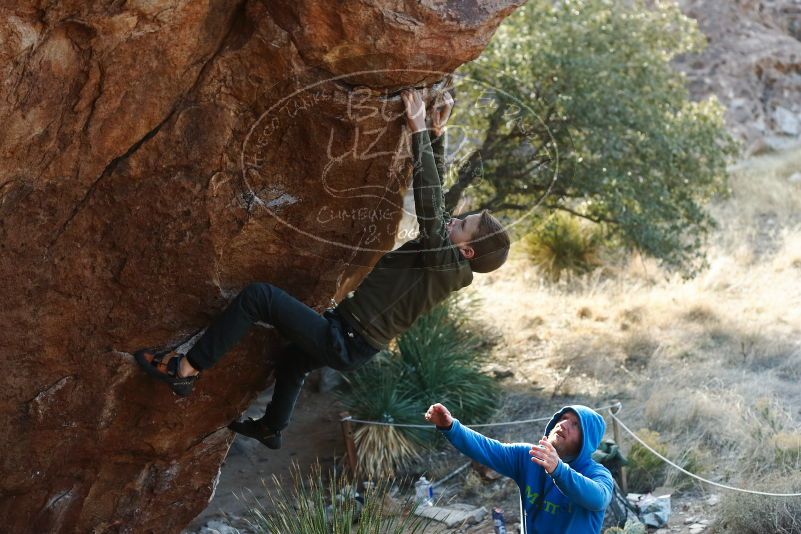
[571, 500]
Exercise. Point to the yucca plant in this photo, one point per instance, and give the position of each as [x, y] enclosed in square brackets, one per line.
[563, 244]
[441, 358]
[377, 393]
[383, 451]
[312, 506]
[437, 360]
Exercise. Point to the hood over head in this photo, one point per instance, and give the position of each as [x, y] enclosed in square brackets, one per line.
[593, 427]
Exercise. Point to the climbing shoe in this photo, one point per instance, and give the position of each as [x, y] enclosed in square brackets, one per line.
[254, 428]
[164, 365]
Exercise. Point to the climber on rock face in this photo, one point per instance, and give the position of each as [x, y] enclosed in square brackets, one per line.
[404, 284]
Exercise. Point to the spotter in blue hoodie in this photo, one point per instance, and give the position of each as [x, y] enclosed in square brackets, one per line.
[572, 499]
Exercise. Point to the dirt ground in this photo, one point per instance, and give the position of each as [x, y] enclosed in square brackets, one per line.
[313, 435]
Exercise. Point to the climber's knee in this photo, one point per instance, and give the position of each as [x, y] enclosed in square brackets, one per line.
[256, 290]
[256, 299]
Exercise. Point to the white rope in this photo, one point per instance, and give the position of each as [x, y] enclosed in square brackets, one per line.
[616, 407]
[479, 425]
[432, 427]
[693, 475]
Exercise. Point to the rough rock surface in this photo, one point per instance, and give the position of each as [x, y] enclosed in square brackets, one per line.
[156, 157]
[752, 64]
[441, 34]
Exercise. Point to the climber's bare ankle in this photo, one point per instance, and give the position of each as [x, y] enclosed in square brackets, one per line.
[186, 368]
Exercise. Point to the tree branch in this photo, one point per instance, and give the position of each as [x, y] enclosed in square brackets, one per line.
[465, 177]
[597, 220]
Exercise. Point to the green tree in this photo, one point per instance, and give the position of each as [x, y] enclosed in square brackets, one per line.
[575, 106]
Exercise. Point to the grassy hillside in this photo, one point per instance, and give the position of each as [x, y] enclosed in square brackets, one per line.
[711, 364]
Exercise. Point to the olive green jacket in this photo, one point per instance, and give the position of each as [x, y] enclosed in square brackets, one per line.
[409, 281]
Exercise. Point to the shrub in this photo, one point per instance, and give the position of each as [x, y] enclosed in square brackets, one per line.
[788, 449]
[645, 470]
[440, 357]
[561, 244]
[755, 514]
[437, 360]
[377, 393]
[772, 444]
[311, 506]
[692, 459]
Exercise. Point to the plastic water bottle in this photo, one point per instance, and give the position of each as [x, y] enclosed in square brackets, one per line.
[424, 492]
[497, 519]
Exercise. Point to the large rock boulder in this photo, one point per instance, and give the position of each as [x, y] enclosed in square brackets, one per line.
[155, 157]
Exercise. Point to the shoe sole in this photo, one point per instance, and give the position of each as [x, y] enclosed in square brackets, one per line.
[261, 440]
[181, 386]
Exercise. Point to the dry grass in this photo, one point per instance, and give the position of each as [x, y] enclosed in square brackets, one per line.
[320, 503]
[748, 514]
[712, 364]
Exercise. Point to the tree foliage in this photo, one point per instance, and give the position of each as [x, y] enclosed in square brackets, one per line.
[578, 99]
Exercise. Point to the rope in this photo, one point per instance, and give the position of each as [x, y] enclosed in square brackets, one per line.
[693, 475]
[480, 425]
[613, 409]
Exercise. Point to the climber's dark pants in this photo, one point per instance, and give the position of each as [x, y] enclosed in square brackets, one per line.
[316, 341]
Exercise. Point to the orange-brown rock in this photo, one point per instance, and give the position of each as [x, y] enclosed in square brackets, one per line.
[413, 43]
[154, 158]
